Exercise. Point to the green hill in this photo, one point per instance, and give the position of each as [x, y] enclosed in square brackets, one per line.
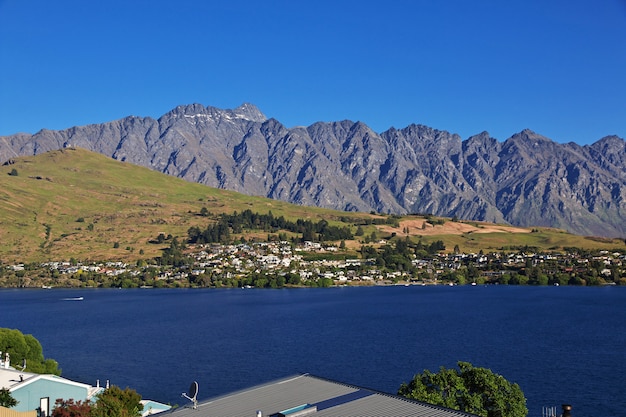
[76, 203]
[73, 203]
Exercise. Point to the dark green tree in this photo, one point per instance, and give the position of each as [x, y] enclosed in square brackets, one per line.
[473, 390]
[293, 278]
[25, 347]
[174, 255]
[368, 252]
[117, 402]
[6, 399]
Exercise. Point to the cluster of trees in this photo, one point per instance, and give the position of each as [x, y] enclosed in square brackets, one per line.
[229, 224]
[261, 279]
[399, 256]
[563, 271]
[24, 349]
[174, 255]
[392, 220]
[470, 389]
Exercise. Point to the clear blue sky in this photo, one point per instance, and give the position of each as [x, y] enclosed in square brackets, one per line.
[557, 67]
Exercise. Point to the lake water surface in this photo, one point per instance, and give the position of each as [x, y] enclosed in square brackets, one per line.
[560, 344]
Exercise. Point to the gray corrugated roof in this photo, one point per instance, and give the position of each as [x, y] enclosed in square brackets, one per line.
[331, 398]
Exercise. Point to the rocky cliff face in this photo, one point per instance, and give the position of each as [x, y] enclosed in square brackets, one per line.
[527, 180]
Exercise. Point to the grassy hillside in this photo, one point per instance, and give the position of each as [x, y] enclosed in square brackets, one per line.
[75, 203]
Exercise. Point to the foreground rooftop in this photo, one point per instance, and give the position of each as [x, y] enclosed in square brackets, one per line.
[306, 394]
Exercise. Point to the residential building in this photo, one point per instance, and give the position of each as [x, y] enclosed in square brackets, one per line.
[40, 391]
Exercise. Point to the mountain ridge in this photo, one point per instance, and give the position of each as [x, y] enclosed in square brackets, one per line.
[526, 180]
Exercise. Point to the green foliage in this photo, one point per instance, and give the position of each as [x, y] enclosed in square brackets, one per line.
[21, 346]
[174, 255]
[397, 259]
[115, 402]
[112, 402]
[373, 237]
[214, 233]
[71, 408]
[13, 173]
[433, 221]
[227, 224]
[6, 399]
[473, 390]
[368, 252]
[399, 256]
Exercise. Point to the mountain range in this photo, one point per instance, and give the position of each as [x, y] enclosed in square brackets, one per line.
[527, 180]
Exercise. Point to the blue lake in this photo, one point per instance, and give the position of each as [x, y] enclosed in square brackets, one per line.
[560, 344]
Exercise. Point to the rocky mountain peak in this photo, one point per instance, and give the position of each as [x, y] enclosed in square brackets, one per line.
[610, 145]
[527, 180]
[249, 112]
[246, 111]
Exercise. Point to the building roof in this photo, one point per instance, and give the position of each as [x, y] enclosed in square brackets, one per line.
[13, 379]
[152, 407]
[10, 378]
[306, 392]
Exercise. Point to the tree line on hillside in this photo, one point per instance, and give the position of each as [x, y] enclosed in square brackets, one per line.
[228, 225]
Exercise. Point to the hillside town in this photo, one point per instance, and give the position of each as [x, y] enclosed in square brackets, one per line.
[279, 264]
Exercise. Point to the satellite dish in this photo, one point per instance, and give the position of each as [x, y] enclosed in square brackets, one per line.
[193, 394]
[193, 390]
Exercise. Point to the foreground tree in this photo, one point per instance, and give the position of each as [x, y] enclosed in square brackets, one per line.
[117, 402]
[6, 399]
[71, 408]
[473, 390]
[24, 347]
